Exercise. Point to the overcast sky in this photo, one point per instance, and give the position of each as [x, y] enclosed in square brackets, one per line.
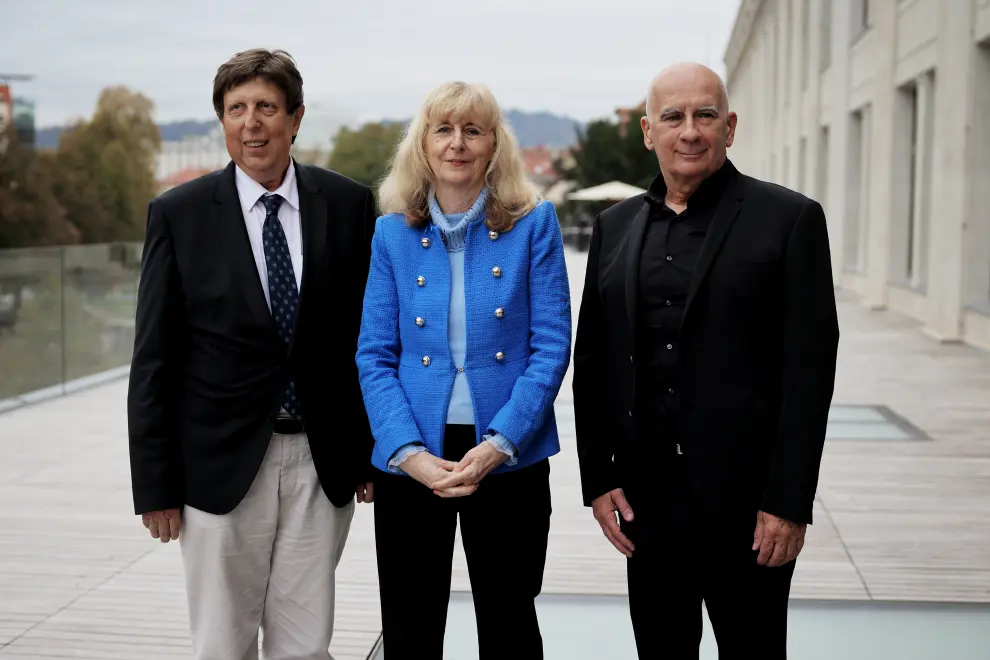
[360, 59]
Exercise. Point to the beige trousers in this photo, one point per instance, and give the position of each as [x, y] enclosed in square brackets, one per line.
[268, 564]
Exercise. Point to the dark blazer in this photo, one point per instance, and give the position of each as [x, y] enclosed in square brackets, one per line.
[758, 351]
[209, 369]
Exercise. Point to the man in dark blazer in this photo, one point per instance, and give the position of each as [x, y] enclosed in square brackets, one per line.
[247, 426]
[703, 374]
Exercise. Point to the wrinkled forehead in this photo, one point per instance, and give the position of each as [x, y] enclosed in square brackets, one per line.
[686, 93]
[687, 99]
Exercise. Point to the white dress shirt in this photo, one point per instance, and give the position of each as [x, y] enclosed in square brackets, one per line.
[250, 193]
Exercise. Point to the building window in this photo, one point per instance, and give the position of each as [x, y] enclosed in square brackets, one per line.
[860, 17]
[976, 243]
[784, 32]
[922, 95]
[858, 191]
[911, 169]
[785, 172]
[821, 168]
[803, 166]
[805, 36]
[825, 45]
[774, 66]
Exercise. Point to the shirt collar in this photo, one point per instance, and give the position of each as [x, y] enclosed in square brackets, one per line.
[250, 191]
[707, 193]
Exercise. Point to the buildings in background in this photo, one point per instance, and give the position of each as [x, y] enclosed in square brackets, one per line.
[540, 164]
[6, 106]
[193, 153]
[179, 159]
[17, 109]
[184, 160]
[626, 115]
[878, 110]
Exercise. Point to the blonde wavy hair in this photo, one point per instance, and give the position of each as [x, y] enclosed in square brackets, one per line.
[406, 186]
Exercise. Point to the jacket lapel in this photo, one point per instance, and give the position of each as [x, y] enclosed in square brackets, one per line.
[726, 212]
[236, 246]
[637, 230]
[313, 217]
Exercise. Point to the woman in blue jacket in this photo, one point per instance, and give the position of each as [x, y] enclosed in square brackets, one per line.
[464, 343]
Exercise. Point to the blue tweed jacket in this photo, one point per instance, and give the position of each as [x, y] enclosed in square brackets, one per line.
[518, 327]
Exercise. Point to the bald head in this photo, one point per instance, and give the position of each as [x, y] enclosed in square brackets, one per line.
[685, 76]
[688, 124]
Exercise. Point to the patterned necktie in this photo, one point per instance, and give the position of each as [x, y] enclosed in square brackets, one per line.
[282, 288]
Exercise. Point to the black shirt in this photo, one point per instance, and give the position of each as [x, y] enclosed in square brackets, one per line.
[670, 251]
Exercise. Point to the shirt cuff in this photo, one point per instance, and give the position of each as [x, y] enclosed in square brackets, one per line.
[504, 445]
[401, 454]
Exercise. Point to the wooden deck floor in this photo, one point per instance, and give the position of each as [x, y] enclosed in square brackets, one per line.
[896, 520]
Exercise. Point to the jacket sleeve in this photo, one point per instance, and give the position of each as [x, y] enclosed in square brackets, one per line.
[811, 337]
[549, 339]
[155, 455]
[379, 348]
[594, 440]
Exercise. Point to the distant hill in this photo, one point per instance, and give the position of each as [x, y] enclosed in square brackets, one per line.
[543, 128]
[177, 130]
[47, 138]
[532, 128]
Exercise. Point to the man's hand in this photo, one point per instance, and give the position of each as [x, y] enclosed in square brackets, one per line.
[427, 469]
[605, 508]
[163, 525]
[469, 472]
[779, 541]
[365, 492]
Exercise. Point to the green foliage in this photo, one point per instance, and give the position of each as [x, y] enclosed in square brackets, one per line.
[106, 166]
[608, 151]
[364, 154]
[29, 214]
[94, 188]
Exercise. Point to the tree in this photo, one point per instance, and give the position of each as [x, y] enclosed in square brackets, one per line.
[609, 151]
[29, 213]
[105, 167]
[364, 154]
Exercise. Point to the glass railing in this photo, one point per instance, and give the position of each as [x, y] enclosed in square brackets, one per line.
[586, 627]
[66, 315]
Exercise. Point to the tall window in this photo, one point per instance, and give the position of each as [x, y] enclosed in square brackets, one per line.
[860, 17]
[785, 172]
[774, 66]
[805, 68]
[785, 34]
[976, 247]
[922, 93]
[825, 45]
[858, 188]
[821, 169]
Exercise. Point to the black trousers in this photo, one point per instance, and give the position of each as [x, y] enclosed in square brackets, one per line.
[683, 559]
[504, 526]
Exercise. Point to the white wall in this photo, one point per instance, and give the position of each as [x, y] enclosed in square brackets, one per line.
[826, 106]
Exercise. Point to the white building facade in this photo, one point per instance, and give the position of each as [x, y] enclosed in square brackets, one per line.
[880, 110]
[194, 152]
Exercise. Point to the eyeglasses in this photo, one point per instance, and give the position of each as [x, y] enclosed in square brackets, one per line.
[446, 132]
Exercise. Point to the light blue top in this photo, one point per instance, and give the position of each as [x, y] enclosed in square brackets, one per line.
[518, 320]
[453, 228]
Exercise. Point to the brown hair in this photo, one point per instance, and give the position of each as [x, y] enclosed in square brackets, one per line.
[275, 66]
